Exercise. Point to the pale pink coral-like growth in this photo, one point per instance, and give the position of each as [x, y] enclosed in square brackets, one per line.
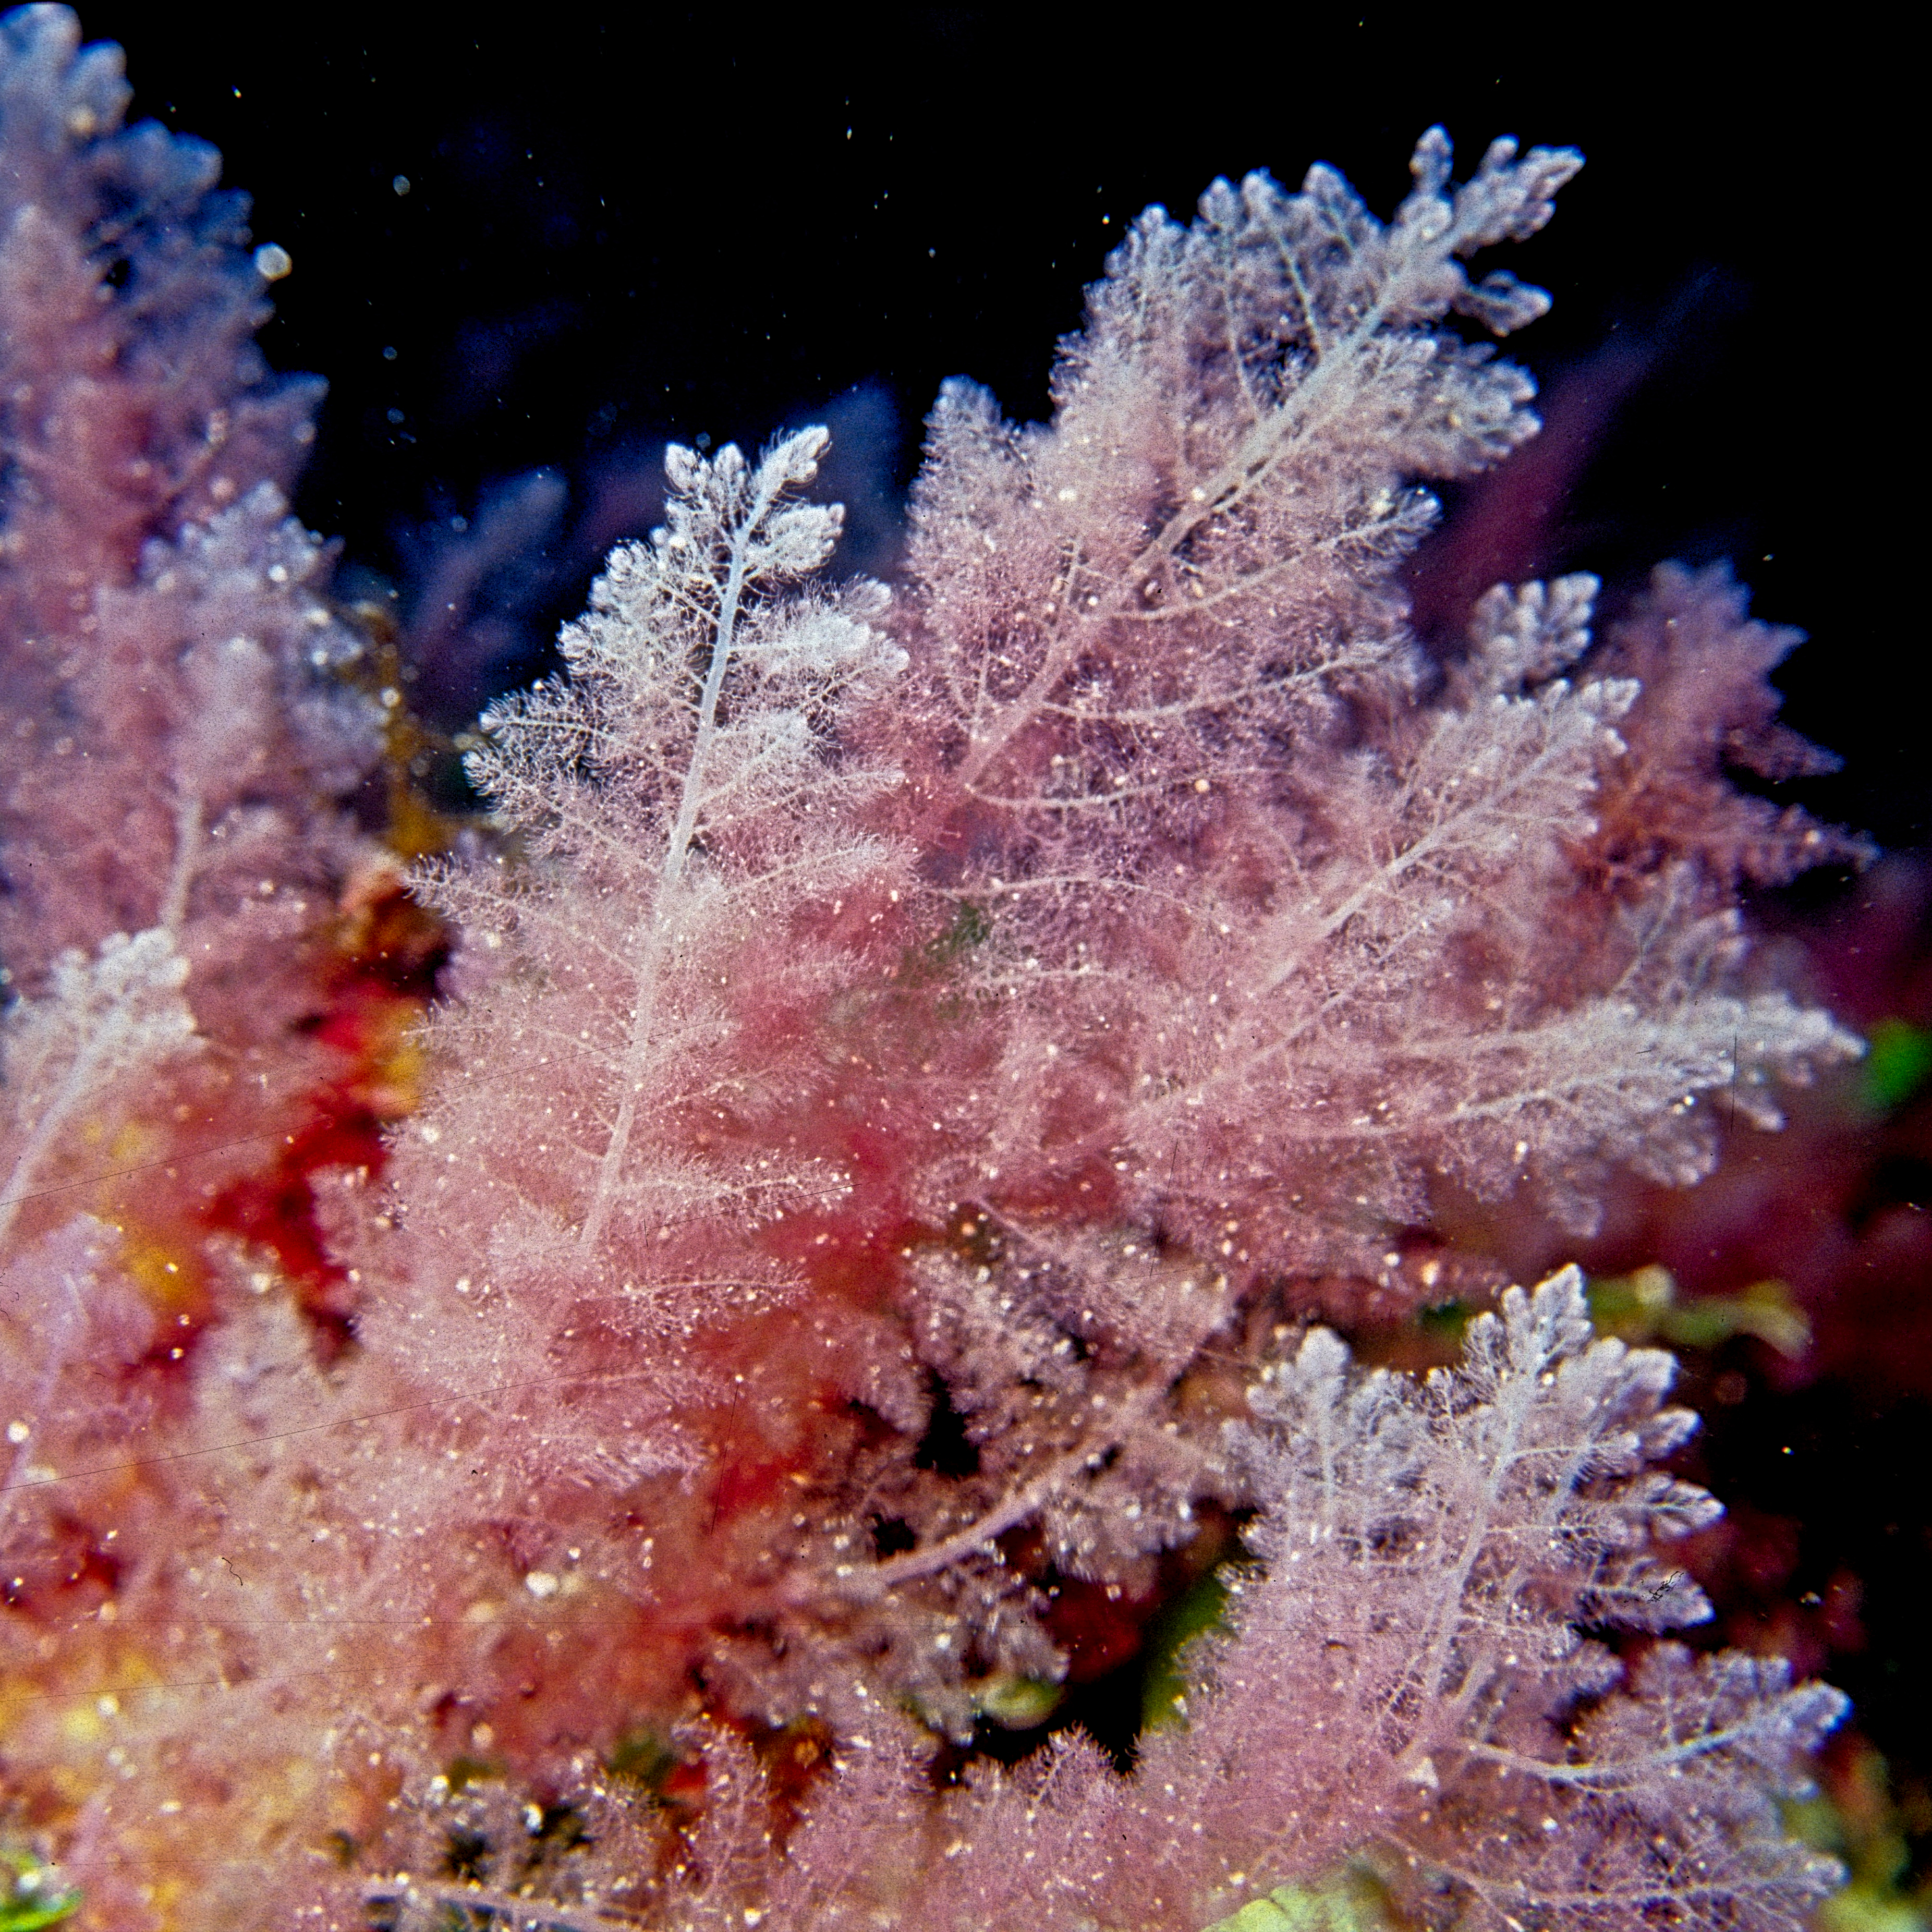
[134, 398]
[1227, 931]
[1707, 708]
[1282, 929]
[914, 1070]
[1406, 1686]
[180, 731]
[179, 740]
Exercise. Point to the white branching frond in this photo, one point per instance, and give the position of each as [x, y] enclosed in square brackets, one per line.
[104, 1021]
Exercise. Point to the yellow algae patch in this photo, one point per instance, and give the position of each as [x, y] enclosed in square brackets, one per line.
[171, 1275]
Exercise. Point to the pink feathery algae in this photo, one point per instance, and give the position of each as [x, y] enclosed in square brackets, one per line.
[914, 1068]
